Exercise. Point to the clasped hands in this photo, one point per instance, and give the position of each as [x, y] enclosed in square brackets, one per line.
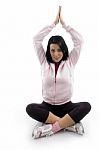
[59, 17]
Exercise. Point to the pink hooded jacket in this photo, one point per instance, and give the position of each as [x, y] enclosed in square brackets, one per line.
[57, 91]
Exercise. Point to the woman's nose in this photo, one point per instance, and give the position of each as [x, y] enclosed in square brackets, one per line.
[56, 54]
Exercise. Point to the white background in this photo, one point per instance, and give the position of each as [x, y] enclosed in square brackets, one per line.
[20, 74]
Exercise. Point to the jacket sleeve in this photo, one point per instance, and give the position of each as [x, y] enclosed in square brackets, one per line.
[78, 41]
[37, 42]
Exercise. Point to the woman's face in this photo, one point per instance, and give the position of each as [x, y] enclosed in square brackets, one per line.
[56, 52]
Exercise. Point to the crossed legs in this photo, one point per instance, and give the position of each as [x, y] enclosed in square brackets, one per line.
[66, 114]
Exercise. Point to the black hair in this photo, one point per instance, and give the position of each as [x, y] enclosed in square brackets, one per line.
[61, 42]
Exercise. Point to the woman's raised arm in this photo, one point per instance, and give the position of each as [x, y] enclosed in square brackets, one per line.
[77, 40]
[38, 38]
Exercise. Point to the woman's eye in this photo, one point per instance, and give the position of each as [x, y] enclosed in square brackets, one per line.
[52, 50]
[59, 50]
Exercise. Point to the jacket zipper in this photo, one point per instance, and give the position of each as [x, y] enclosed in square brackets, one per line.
[55, 90]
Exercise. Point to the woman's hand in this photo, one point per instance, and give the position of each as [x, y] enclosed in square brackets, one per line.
[61, 18]
[58, 16]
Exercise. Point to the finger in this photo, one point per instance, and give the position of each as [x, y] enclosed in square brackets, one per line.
[59, 10]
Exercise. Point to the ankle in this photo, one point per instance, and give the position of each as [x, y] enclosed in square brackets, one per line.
[56, 127]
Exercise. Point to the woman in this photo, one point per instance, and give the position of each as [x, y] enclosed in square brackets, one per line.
[57, 111]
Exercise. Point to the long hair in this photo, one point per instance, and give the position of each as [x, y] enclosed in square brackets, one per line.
[60, 41]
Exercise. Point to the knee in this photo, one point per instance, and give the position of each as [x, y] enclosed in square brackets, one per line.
[86, 106]
[29, 109]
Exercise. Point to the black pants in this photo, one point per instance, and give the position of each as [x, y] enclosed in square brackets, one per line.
[40, 112]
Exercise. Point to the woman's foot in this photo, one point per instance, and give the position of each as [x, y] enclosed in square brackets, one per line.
[38, 124]
[77, 128]
[42, 131]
